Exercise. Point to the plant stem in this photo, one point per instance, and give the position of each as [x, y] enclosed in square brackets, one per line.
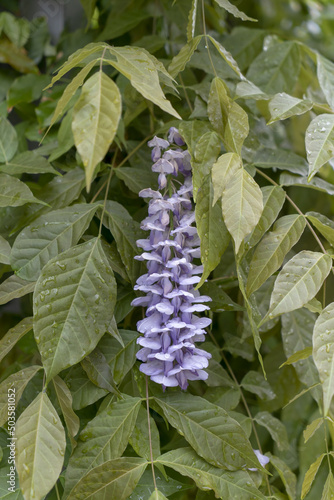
[107, 190]
[207, 41]
[149, 434]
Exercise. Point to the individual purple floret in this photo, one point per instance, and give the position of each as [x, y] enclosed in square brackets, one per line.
[169, 355]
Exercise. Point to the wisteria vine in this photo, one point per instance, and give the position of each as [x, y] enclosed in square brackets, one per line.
[169, 355]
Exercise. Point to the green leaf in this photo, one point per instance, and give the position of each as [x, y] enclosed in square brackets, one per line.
[28, 162]
[146, 486]
[113, 479]
[75, 288]
[275, 428]
[26, 88]
[104, 438]
[65, 137]
[255, 383]
[126, 232]
[13, 335]
[140, 440]
[277, 68]
[19, 381]
[192, 132]
[157, 495]
[64, 397]
[40, 446]
[328, 491]
[283, 106]
[211, 229]
[247, 90]
[191, 26]
[238, 484]
[8, 140]
[228, 119]
[324, 225]
[13, 288]
[285, 473]
[323, 349]
[242, 206]
[315, 183]
[226, 56]
[14, 193]
[136, 179]
[253, 313]
[232, 9]
[298, 356]
[281, 159]
[113, 331]
[140, 68]
[181, 59]
[298, 282]
[115, 259]
[273, 200]
[319, 142]
[220, 300]
[95, 120]
[69, 92]
[84, 392]
[297, 331]
[49, 236]
[325, 73]
[314, 305]
[119, 23]
[272, 249]
[312, 428]
[301, 393]
[310, 476]
[89, 7]
[214, 435]
[120, 358]
[16, 57]
[4, 251]
[222, 171]
[218, 377]
[58, 193]
[98, 371]
[245, 44]
[5, 494]
[227, 398]
[78, 57]
[16, 29]
[206, 151]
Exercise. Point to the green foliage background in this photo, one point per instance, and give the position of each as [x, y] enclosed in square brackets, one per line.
[250, 85]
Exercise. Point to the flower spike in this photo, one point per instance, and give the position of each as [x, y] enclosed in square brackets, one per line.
[169, 355]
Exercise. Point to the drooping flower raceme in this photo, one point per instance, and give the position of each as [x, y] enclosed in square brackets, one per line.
[169, 355]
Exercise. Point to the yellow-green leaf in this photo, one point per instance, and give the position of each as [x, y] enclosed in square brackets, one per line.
[298, 282]
[242, 205]
[222, 170]
[323, 352]
[228, 119]
[95, 120]
[310, 475]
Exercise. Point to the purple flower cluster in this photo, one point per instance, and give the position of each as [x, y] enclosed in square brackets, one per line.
[169, 355]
